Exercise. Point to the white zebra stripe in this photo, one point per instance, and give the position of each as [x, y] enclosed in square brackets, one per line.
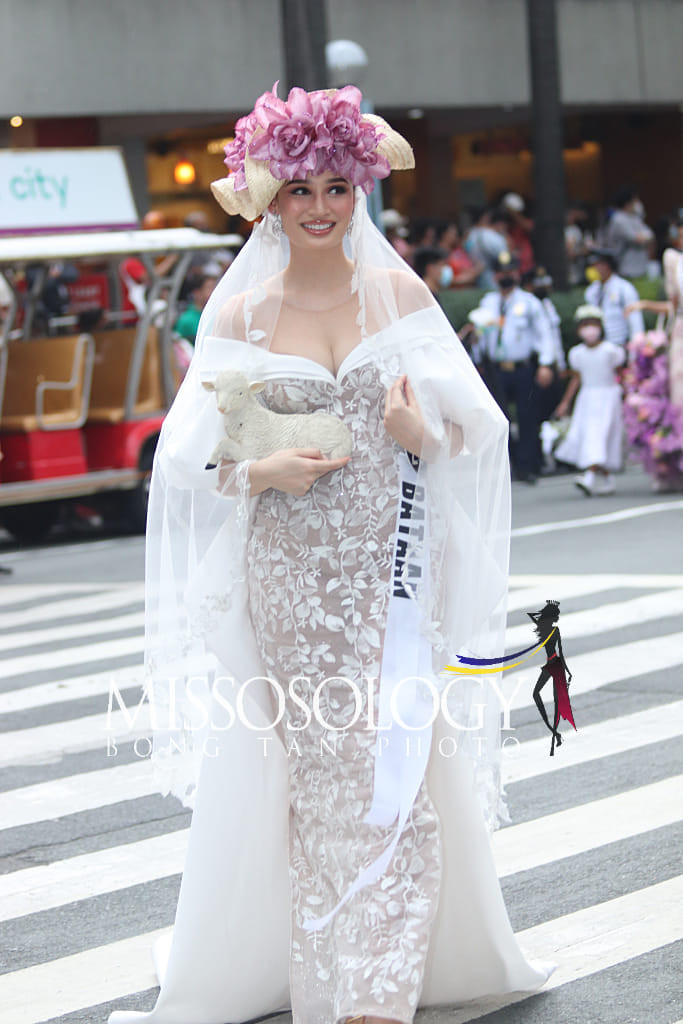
[598, 741]
[58, 634]
[74, 982]
[11, 593]
[597, 938]
[583, 944]
[86, 791]
[599, 520]
[592, 671]
[635, 611]
[593, 742]
[577, 624]
[74, 794]
[595, 669]
[43, 694]
[588, 826]
[46, 743]
[23, 664]
[91, 874]
[132, 593]
[529, 593]
[516, 848]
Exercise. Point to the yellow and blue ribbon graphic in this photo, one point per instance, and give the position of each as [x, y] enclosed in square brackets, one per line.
[497, 664]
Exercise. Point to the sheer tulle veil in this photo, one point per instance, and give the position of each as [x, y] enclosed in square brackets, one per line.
[197, 621]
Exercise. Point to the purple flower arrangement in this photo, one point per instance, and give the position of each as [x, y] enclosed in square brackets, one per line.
[654, 426]
[307, 134]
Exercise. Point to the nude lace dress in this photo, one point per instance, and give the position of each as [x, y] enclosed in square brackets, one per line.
[319, 572]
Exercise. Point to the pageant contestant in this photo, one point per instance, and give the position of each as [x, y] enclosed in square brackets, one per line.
[301, 609]
[593, 442]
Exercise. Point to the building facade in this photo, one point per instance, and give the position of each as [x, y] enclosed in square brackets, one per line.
[165, 80]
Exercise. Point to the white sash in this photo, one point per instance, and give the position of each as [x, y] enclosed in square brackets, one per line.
[405, 701]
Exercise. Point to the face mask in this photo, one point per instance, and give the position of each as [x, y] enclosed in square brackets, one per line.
[446, 275]
[590, 333]
[638, 208]
[507, 281]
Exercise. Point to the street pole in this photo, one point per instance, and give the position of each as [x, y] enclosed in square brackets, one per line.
[304, 34]
[547, 139]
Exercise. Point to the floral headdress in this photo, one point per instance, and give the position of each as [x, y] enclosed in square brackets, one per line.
[309, 133]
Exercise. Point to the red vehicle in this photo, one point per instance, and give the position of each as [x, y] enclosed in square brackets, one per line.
[81, 411]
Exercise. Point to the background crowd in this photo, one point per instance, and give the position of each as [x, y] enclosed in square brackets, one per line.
[580, 378]
[586, 375]
[576, 372]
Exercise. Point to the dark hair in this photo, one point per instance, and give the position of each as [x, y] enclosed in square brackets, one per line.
[475, 213]
[625, 194]
[499, 216]
[419, 228]
[547, 616]
[195, 280]
[443, 226]
[425, 257]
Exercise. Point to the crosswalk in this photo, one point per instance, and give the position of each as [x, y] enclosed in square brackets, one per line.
[91, 855]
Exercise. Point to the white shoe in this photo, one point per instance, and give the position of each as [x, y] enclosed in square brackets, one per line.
[604, 485]
[586, 482]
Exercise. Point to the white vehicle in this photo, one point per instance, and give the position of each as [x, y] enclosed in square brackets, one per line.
[81, 409]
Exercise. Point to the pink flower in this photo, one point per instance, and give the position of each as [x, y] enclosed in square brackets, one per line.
[291, 133]
[236, 151]
[308, 134]
[654, 426]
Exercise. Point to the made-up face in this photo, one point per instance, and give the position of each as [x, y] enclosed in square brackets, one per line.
[315, 211]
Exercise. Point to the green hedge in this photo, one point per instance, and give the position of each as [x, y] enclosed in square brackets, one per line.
[457, 304]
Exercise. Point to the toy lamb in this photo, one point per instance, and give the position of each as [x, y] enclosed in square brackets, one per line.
[254, 431]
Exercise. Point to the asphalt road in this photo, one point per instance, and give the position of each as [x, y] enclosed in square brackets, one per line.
[90, 856]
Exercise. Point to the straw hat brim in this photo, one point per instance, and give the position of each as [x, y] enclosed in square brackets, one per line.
[393, 146]
[262, 187]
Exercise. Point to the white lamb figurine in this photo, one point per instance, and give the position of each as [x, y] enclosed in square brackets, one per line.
[254, 431]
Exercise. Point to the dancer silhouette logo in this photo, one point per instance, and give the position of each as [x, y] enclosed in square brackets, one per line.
[555, 668]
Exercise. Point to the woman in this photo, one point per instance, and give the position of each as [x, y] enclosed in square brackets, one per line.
[672, 262]
[555, 667]
[654, 381]
[328, 595]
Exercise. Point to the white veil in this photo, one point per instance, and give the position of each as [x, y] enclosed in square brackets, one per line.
[197, 621]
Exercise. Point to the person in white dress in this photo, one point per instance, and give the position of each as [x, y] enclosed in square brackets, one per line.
[338, 859]
[594, 439]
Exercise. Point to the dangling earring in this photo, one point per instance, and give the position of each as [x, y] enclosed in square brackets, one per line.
[277, 224]
[349, 228]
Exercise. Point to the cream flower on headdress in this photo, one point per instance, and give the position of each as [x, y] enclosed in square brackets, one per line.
[307, 134]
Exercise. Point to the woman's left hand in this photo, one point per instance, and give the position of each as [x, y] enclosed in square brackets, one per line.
[402, 416]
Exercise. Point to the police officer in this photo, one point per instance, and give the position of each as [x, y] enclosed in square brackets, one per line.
[539, 282]
[612, 294]
[518, 354]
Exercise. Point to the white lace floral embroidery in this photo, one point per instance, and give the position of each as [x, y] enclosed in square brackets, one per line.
[318, 569]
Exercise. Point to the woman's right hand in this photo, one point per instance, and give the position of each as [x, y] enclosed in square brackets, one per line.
[292, 470]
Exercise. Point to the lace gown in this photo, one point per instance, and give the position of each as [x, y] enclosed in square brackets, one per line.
[433, 930]
[319, 571]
